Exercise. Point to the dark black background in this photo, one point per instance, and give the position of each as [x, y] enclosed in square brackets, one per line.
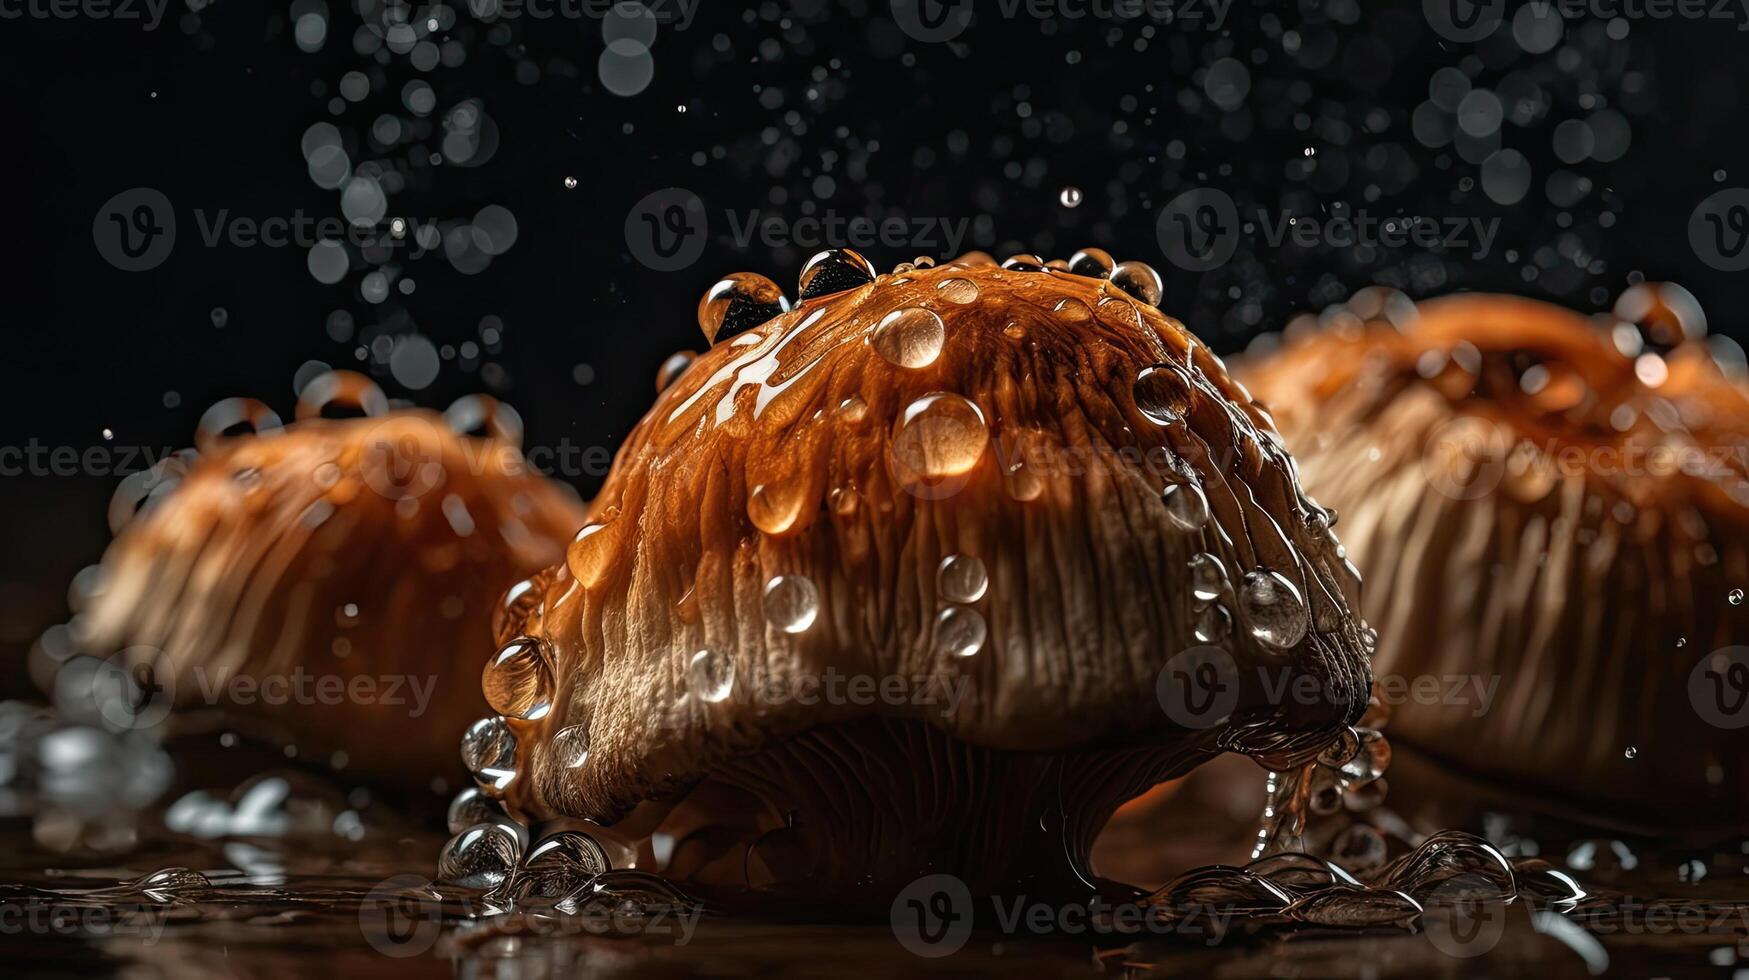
[209, 108]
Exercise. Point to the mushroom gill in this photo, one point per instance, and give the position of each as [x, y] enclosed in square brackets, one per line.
[894, 582]
[319, 584]
[1552, 507]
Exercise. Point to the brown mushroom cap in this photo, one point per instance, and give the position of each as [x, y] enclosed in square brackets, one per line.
[362, 551]
[947, 479]
[1537, 499]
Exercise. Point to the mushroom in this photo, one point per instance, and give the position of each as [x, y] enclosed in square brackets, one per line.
[1549, 511]
[320, 583]
[907, 580]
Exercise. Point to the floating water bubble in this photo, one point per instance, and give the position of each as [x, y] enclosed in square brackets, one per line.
[791, 603]
[626, 67]
[1158, 392]
[1069, 197]
[710, 676]
[482, 856]
[960, 631]
[1273, 609]
[1208, 578]
[956, 290]
[737, 303]
[961, 578]
[517, 682]
[1186, 506]
[833, 271]
[910, 338]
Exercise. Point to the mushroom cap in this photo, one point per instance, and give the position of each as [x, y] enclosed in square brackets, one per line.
[1537, 500]
[945, 486]
[369, 550]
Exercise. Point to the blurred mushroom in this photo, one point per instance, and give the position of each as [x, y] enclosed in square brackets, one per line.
[900, 581]
[326, 584]
[1552, 507]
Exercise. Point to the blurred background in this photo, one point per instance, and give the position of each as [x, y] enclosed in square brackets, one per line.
[461, 198]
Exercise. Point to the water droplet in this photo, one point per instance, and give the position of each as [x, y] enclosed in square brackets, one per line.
[910, 338]
[959, 631]
[833, 271]
[172, 885]
[516, 681]
[1736, 597]
[775, 507]
[673, 368]
[1094, 263]
[1022, 482]
[559, 865]
[1213, 624]
[481, 856]
[844, 501]
[1023, 262]
[471, 807]
[852, 409]
[222, 421]
[939, 437]
[1208, 578]
[571, 746]
[791, 603]
[956, 290]
[1273, 609]
[1631, 752]
[489, 752]
[1139, 280]
[1069, 197]
[710, 676]
[338, 392]
[570, 183]
[737, 303]
[1186, 507]
[1073, 310]
[1157, 392]
[961, 578]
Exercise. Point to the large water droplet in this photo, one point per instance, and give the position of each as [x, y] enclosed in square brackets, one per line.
[1072, 310]
[1186, 507]
[1208, 578]
[737, 303]
[1213, 623]
[959, 631]
[957, 290]
[471, 807]
[939, 437]
[834, 271]
[571, 746]
[775, 507]
[516, 681]
[592, 551]
[910, 338]
[172, 885]
[1158, 391]
[961, 578]
[673, 368]
[1274, 611]
[560, 865]
[1023, 262]
[710, 676]
[481, 856]
[1094, 263]
[1139, 280]
[489, 752]
[791, 603]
